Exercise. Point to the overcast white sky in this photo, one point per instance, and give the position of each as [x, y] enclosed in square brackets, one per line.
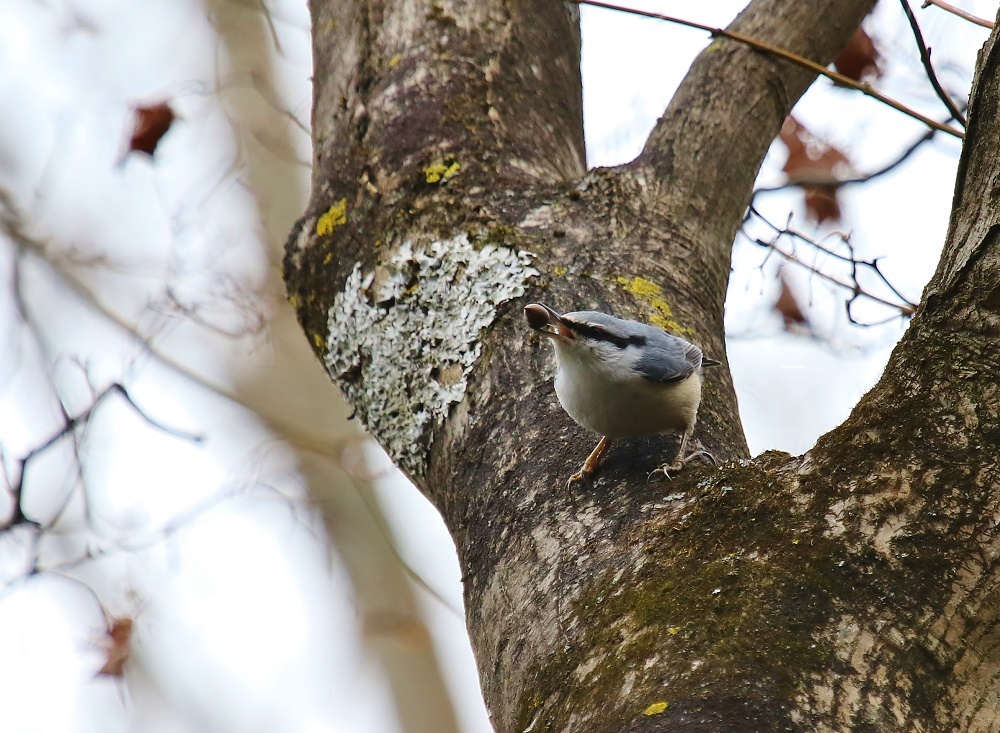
[242, 627]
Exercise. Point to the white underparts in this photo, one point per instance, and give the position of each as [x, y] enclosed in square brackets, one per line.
[606, 396]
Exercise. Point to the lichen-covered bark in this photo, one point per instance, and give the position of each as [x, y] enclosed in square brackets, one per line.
[853, 588]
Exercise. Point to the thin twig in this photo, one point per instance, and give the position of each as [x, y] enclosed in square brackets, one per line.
[837, 183]
[70, 424]
[370, 504]
[926, 137]
[959, 12]
[925, 59]
[270, 26]
[134, 545]
[12, 226]
[905, 307]
[855, 289]
[840, 79]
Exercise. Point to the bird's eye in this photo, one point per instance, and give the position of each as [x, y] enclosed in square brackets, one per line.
[610, 339]
[605, 336]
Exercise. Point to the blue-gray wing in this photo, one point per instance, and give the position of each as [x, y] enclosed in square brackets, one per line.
[666, 358]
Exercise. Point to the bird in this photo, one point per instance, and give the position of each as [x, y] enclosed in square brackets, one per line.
[620, 379]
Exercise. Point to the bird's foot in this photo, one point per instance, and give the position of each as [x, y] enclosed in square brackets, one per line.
[673, 468]
[593, 462]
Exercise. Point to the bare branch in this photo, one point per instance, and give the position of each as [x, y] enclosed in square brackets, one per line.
[70, 425]
[925, 59]
[379, 521]
[12, 225]
[131, 545]
[839, 79]
[959, 12]
[801, 182]
[904, 307]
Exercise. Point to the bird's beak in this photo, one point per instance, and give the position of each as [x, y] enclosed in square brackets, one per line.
[546, 321]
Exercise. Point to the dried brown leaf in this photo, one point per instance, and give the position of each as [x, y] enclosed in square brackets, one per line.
[117, 644]
[149, 126]
[817, 167]
[860, 59]
[788, 307]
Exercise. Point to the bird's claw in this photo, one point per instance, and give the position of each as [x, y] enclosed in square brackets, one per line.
[667, 468]
[661, 470]
[703, 454]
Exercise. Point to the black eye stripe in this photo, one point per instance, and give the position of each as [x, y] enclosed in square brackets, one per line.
[600, 334]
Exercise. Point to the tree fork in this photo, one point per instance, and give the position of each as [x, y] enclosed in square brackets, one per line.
[850, 588]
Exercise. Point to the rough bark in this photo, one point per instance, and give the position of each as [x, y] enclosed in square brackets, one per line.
[852, 588]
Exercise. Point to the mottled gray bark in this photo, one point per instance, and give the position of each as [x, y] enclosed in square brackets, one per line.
[848, 589]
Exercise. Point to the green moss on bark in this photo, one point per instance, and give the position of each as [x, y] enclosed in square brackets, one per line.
[737, 604]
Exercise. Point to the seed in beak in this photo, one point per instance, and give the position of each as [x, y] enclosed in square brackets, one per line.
[536, 316]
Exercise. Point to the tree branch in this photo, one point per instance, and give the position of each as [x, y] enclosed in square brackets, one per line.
[795, 58]
[959, 12]
[925, 59]
[70, 425]
[902, 305]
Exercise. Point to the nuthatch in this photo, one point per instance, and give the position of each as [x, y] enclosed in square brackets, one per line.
[622, 379]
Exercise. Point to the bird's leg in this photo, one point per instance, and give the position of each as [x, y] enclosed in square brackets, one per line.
[593, 462]
[681, 460]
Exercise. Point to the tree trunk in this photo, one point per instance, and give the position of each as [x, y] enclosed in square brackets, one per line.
[852, 588]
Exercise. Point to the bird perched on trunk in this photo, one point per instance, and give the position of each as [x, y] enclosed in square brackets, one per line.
[622, 379]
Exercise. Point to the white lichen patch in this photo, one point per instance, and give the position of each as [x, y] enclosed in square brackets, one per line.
[404, 337]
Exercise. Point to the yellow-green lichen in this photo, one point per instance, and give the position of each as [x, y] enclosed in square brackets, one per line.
[395, 60]
[652, 294]
[655, 709]
[439, 172]
[560, 270]
[333, 218]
